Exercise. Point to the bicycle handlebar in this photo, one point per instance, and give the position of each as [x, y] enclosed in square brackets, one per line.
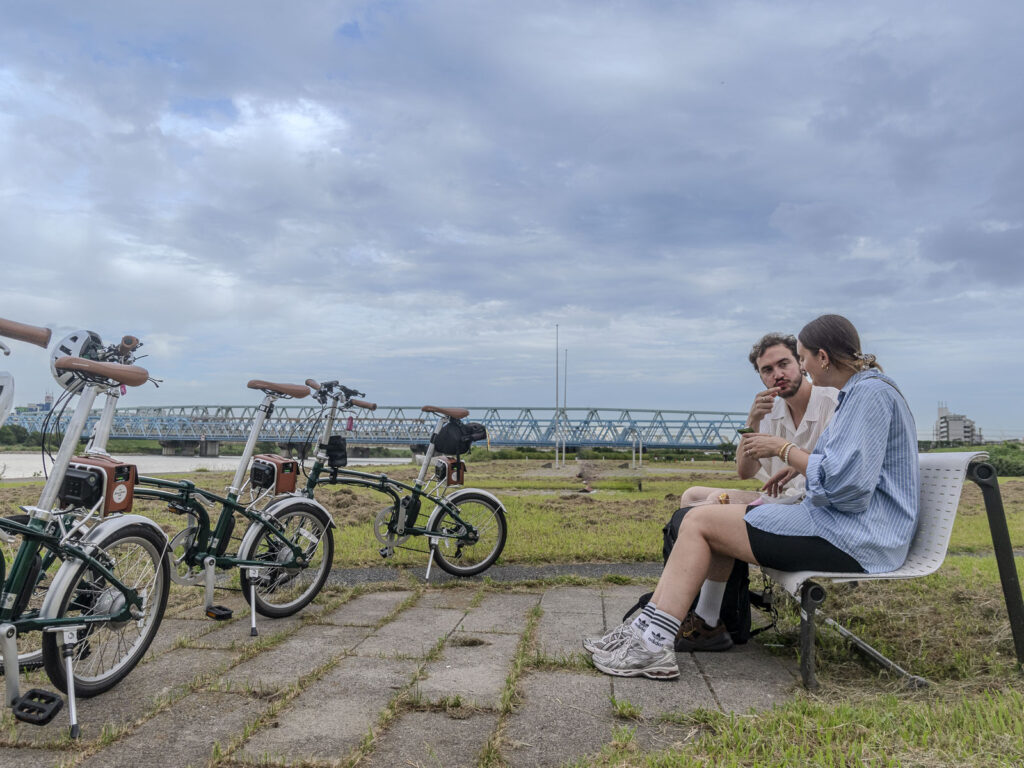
[363, 404]
[33, 334]
[128, 345]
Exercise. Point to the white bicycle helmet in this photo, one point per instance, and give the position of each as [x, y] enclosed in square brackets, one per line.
[6, 396]
[76, 344]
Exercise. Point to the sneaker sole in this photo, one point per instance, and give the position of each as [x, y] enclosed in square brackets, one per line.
[657, 673]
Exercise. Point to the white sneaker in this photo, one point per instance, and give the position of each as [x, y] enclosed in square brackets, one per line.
[610, 641]
[633, 659]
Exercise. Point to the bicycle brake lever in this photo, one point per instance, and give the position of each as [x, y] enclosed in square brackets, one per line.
[4, 348]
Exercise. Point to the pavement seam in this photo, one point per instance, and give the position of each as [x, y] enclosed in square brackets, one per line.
[707, 682]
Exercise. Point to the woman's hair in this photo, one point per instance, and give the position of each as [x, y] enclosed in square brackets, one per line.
[837, 336]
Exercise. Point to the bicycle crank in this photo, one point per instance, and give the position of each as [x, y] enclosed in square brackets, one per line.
[383, 529]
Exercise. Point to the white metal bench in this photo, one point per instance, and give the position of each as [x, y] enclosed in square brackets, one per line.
[942, 479]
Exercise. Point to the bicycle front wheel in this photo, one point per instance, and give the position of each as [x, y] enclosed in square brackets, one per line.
[107, 651]
[469, 543]
[283, 589]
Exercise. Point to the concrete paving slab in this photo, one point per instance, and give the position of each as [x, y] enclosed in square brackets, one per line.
[173, 630]
[585, 600]
[237, 633]
[18, 757]
[560, 635]
[657, 697]
[500, 613]
[145, 686]
[473, 667]
[460, 599]
[310, 647]
[433, 740]
[618, 599]
[747, 677]
[564, 716]
[366, 610]
[182, 736]
[346, 701]
[412, 634]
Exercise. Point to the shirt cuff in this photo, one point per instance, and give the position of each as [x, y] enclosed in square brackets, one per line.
[815, 489]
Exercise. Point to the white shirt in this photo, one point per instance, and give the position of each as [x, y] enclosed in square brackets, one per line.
[779, 422]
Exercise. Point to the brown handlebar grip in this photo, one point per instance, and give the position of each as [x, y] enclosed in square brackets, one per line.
[128, 345]
[314, 385]
[33, 334]
[364, 404]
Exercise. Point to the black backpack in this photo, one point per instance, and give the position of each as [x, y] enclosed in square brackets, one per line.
[737, 599]
[457, 437]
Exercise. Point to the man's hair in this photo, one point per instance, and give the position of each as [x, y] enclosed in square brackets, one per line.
[772, 340]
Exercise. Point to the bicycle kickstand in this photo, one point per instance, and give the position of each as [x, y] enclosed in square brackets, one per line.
[254, 573]
[430, 561]
[67, 649]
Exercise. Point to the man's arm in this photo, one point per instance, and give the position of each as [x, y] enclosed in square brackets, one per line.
[747, 467]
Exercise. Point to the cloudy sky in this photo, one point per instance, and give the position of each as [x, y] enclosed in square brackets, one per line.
[410, 196]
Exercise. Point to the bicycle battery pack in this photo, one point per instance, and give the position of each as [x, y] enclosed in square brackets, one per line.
[93, 478]
[450, 470]
[274, 472]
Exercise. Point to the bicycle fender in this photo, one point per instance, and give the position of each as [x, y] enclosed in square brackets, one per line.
[69, 568]
[253, 530]
[454, 497]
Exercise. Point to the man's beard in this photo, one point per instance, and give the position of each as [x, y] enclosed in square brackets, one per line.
[795, 388]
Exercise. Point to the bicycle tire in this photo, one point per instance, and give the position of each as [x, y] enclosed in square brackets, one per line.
[487, 517]
[283, 591]
[107, 652]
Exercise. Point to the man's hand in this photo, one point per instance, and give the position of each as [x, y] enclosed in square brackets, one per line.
[778, 481]
[763, 403]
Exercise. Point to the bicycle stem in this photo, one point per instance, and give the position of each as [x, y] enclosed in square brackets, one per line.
[101, 432]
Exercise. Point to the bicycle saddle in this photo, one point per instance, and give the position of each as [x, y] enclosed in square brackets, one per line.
[451, 413]
[288, 390]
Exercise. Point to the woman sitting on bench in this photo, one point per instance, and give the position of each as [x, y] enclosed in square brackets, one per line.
[859, 514]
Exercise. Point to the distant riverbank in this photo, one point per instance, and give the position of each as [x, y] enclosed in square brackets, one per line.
[20, 466]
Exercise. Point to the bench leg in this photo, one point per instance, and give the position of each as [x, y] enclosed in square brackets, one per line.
[811, 596]
[984, 475]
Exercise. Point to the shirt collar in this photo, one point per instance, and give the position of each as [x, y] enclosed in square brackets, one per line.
[870, 373]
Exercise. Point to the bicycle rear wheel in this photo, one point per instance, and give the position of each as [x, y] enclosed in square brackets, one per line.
[282, 590]
[469, 544]
[106, 652]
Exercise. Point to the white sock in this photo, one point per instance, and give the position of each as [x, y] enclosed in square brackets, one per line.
[662, 632]
[643, 619]
[709, 604]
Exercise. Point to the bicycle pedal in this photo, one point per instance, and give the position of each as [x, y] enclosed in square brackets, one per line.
[219, 612]
[37, 706]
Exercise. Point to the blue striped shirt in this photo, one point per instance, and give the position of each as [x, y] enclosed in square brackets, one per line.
[862, 478]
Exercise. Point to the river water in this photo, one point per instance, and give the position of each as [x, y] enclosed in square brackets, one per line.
[22, 465]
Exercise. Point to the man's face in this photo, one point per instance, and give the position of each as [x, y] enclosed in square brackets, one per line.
[778, 368]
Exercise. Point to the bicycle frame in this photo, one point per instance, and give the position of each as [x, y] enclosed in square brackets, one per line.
[206, 551]
[384, 484]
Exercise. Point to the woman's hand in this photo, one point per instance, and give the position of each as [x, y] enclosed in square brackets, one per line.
[778, 481]
[758, 446]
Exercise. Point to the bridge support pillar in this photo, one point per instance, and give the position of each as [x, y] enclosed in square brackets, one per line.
[209, 448]
[179, 447]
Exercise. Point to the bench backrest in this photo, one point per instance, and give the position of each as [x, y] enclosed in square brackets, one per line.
[942, 480]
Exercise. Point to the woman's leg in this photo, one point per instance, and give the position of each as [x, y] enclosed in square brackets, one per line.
[710, 538]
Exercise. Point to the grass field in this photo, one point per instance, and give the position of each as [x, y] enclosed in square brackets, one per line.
[950, 627]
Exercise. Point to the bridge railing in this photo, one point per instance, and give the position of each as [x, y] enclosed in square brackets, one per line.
[407, 425]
